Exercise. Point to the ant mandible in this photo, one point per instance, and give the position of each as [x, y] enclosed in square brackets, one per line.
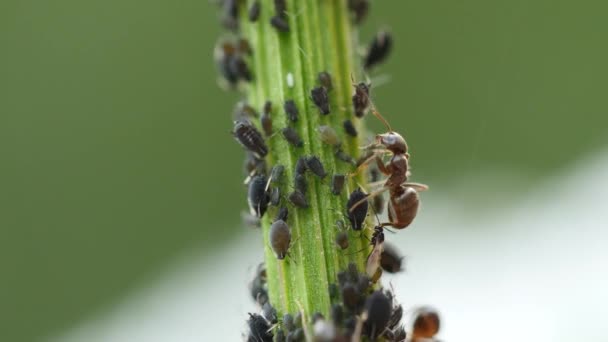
[404, 199]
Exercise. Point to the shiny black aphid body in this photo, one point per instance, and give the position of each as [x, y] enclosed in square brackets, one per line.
[337, 184]
[259, 329]
[230, 18]
[238, 67]
[324, 79]
[378, 50]
[292, 136]
[257, 197]
[300, 184]
[291, 110]
[301, 166]
[349, 128]
[269, 313]
[279, 20]
[357, 216]
[378, 307]
[250, 138]
[315, 166]
[254, 11]
[280, 238]
[320, 99]
[298, 199]
[390, 260]
[361, 99]
[258, 287]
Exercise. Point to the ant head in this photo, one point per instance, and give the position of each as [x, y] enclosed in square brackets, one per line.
[393, 142]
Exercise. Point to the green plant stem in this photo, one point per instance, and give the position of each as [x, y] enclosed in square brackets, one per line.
[321, 38]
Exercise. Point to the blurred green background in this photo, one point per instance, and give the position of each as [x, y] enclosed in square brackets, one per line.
[115, 152]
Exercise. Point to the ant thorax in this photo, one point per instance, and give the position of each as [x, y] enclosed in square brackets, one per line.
[393, 142]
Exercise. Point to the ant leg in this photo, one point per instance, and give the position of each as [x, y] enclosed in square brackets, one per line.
[371, 195]
[381, 166]
[417, 186]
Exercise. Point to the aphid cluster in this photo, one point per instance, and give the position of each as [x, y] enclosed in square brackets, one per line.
[360, 309]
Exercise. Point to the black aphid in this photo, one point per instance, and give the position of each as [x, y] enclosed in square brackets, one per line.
[269, 313]
[280, 336]
[282, 214]
[361, 99]
[319, 97]
[300, 184]
[238, 67]
[328, 135]
[258, 287]
[266, 119]
[257, 197]
[358, 214]
[292, 136]
[378, 50]
[275, 196]
[280, 23]
[230, 18]
[301, 166]
[360, 8]
[342, 240]
[345, 157]
[315, 166]
[288, 323]
[390, 260]
[280, 238]
[298, 199]
[396, 316]
[253, 165]
[349, 128]
[296, 335]
[254, 11]
[324, 79]
[399, 334]
[291, 110]
[337, 183]
[250, 138]
[259, 329]
[378, 308]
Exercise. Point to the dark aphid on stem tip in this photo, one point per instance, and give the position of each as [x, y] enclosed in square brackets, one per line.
[254, 11]
[257, 196]
[378, 308]
[266, 119]
[238, 67]
[342, 240]
[319, 97]
[349, 128]
[324, 79]
[360, 8]
[292, 137]
[357, 215]
[300, 184]
[259, 329]
[328, 135]
[250, 138]
[301, 166]
[288, 323]
[280, 23]
[378, 50]
[426, 323]
[280, 238]
[298, 199]
[337, 183]
[291, 110]
[258, 286]
[361, 99]
[391, 260]
[315, 166]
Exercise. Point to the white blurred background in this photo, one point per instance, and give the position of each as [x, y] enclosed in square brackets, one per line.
[533, 268]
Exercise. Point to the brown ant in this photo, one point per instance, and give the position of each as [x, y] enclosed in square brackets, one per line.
[404, 199]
